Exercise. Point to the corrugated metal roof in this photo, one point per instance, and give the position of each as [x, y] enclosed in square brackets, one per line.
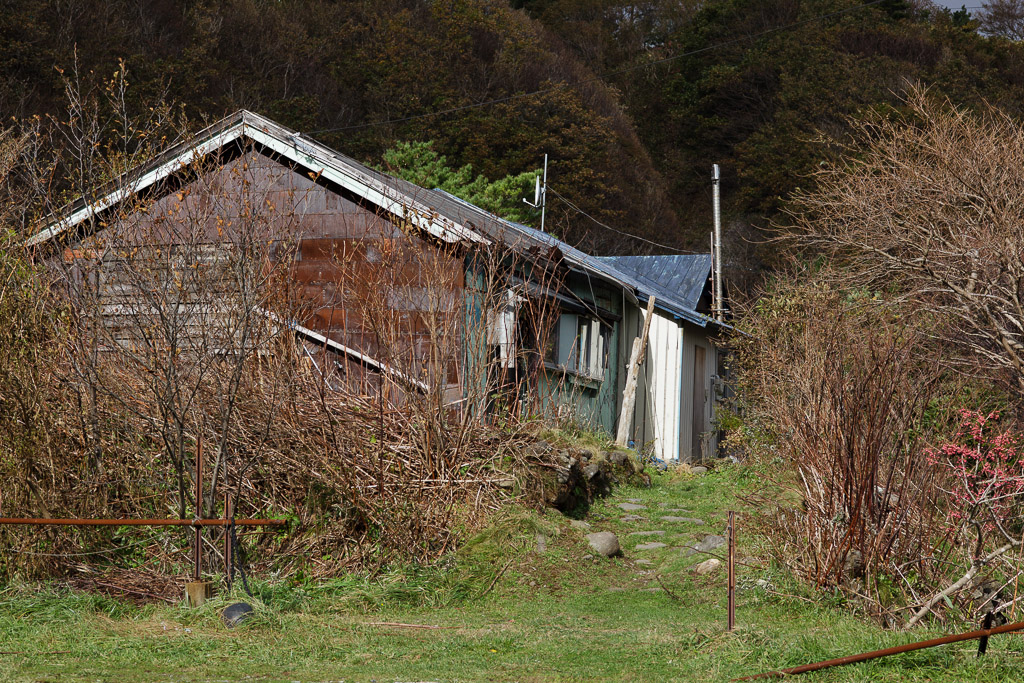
[435, 210]
[681, 277]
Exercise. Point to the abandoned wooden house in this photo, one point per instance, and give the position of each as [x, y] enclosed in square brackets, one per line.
[391, 287]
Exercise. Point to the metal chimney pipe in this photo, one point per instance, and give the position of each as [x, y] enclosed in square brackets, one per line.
[716, 256]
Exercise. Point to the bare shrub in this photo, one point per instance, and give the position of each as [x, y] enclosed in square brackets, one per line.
[840, 386]
[177, 322]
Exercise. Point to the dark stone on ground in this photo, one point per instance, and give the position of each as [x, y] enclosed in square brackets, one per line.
[236, 613]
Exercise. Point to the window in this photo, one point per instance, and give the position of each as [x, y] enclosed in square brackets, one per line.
[583, 345]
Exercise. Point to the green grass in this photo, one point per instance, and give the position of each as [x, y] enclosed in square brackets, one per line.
[555, 616]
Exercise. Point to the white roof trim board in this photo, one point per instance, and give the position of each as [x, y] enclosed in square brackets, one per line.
[290, 145]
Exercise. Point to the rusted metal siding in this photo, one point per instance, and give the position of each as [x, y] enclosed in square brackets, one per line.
[365, 282]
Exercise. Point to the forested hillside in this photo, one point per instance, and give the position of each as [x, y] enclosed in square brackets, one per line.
[636, 99]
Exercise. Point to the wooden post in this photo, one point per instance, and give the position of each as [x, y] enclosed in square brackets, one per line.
[229, 529]
[198, 550]
[636, 357]
[732, 571]
[198, 591]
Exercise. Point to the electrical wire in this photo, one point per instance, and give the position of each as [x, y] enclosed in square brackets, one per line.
[621, 232]
[592, 79]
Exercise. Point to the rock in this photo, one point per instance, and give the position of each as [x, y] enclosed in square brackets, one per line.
[647, 533]
[709, 543]
[630, 507]
[591, 471]
[605, 543]
[650, 546]
[631, 518]
[542, 543]
[707, 566]
[579, 524]
[682, 520]
[677, 510]
[699, 469]
[506, 483]
[853, 565]
[541, 447]
[236, 613]
[619, 459]
[588, 557]
[632, 500]
[644, 562]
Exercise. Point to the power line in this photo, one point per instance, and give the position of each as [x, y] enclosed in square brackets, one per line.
[560, 86]
[621, 232]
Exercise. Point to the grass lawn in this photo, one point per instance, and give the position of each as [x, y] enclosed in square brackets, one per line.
[556, 615]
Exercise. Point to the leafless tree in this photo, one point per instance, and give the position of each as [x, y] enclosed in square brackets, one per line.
[1003, 18]
[927, 206]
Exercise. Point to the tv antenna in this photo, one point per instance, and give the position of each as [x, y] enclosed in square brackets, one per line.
[540, 194]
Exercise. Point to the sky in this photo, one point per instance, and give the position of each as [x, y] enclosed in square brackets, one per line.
[972, 5]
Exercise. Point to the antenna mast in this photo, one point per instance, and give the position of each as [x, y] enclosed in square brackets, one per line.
[716, 251]
[540, 195]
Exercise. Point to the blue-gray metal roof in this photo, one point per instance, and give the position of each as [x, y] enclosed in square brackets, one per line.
[605, 267]
[681, 277]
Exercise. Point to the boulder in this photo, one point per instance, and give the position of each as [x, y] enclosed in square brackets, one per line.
[605, 542]
[620, 459]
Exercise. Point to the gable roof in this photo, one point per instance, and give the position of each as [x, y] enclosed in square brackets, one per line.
[680, 277]
[439, 213]
[393, 195]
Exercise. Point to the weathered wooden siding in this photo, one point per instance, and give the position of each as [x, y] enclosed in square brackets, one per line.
[365, 283]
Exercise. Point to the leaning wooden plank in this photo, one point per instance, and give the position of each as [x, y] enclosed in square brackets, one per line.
[636, 357]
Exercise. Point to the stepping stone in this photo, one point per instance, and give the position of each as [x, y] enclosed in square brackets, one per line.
[644, 562]
[684, 520]
[631, 518]
[630, 507]
[542, 543]
[647, 533]
[709, 543]
[677, 510]
[632, 500]
[707, 567]
[651, 546]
